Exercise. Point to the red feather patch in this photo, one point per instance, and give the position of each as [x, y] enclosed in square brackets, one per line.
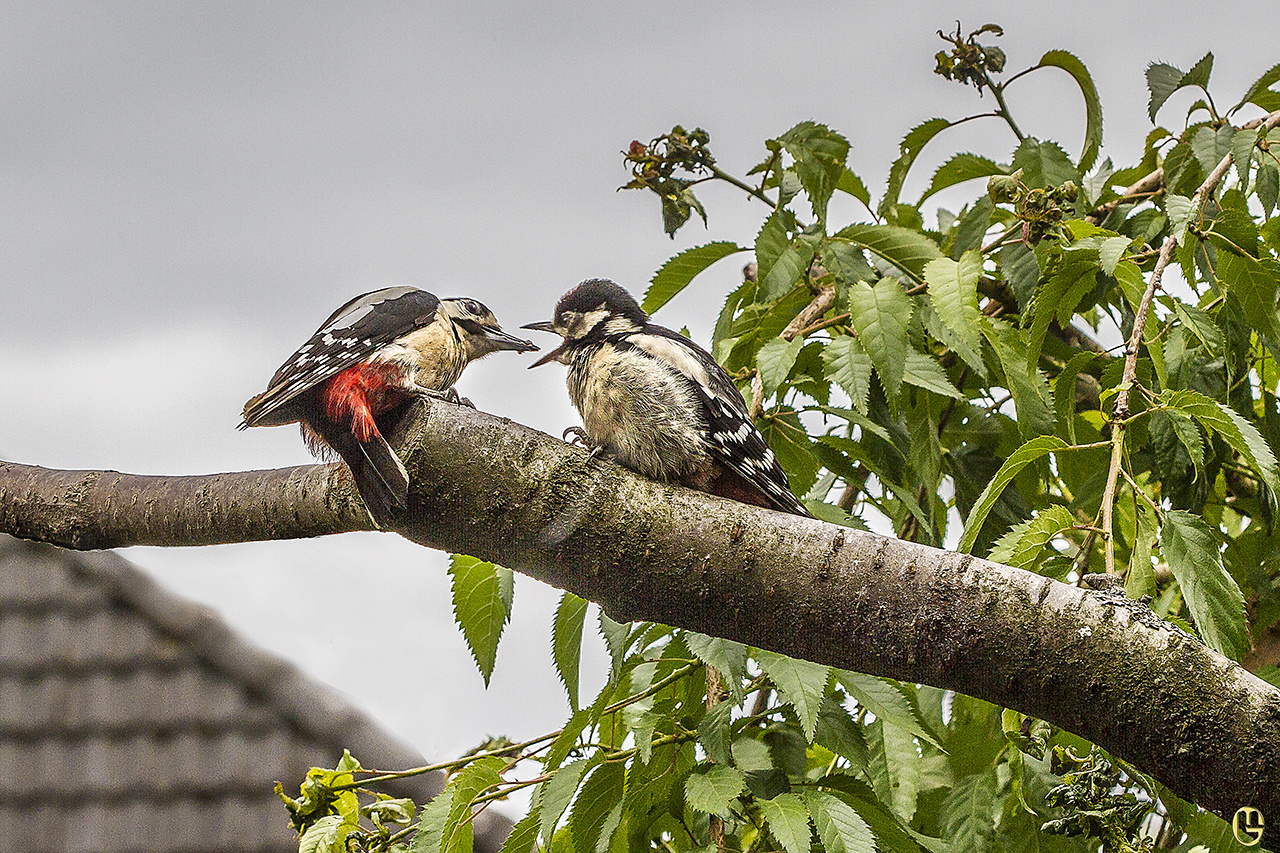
[358, 393]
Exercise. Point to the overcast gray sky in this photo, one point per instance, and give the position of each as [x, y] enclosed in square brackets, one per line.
[187, 190]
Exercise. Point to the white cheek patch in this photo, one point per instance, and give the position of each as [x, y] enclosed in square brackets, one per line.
[579, 325]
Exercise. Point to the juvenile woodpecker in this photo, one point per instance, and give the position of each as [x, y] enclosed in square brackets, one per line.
[372, 356]
[658, 403]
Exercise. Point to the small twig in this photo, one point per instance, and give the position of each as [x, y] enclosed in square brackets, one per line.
[1003, 112]
[749, 190]
[715, 689]
[819, 305]
[1145, 187]
[1120, 412]
[757, 395]
[999, 241]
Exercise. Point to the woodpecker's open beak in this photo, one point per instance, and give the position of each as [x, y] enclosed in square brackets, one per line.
[545, 326]
[501, 340]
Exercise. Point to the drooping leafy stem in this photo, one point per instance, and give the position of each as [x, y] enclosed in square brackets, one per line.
[1120, 411]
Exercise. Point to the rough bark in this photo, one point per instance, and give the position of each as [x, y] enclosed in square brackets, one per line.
[1092, 662]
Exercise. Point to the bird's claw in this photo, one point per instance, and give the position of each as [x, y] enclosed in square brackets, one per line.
[580, 438]
[449, 396]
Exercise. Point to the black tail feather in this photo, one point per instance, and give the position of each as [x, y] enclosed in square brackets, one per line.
[379, 474]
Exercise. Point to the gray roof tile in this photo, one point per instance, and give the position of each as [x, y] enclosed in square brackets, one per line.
[131, 720]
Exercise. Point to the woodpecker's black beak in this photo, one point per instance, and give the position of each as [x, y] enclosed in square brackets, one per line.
[501, 340]
[545, 326]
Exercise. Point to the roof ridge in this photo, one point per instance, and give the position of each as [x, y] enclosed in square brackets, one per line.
[317, 709]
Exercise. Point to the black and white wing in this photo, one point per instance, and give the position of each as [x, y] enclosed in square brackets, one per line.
[352, 334]
[732, 439]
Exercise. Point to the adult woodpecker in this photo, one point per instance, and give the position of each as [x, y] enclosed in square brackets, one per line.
[658, 403]
[372, 356]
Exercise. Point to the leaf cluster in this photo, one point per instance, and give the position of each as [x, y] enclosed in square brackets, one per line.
[1074, 374]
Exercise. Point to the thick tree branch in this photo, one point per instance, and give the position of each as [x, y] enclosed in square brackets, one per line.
[1094, 663]
[106, 509]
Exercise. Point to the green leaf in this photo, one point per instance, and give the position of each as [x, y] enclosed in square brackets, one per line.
[840, 733]
[1260, 86]
[1024, 542]
[787, 438]
[909, 150]
[1044, 164]
[713, 790]
[887, 701]
[1092, 104]
[771, 242]
[1140, 579]
[1189, 436]
[961, 168]
[615, 636]
[819, 154]
[1019, 459]
[601, 793]
[781, 261]
[846, 262]
[1178, 209]
[566, 642]
[1269, 187]
[788, 821]
[1242, 144]
[848, 365]
[725, 656]
[714, 733]
[939, 331]
[327, 835]
[1210, 146]
[431, 822]
[800, 682]
[902, 765]
[1238, 432]
[953, 287]
[907, 250]
[470, 782]
[1111, 251]
[852, 184]
[1064, 391]
[880, 316]
[923, 372]
[1061, 291]
[567, 739]
[1099, 182]
[388, 810]
[1217, 606]
[676, 273]
[1254, 282]
[1032, 397]
[1199, 324]
[775, 360]
[1234, 228]
[1021, 270]
[1163, 80]
[972, 226]
[678, 204]
[558, 791]
[966, 815]
[524, 834]
[479, 608]
[840, 828]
